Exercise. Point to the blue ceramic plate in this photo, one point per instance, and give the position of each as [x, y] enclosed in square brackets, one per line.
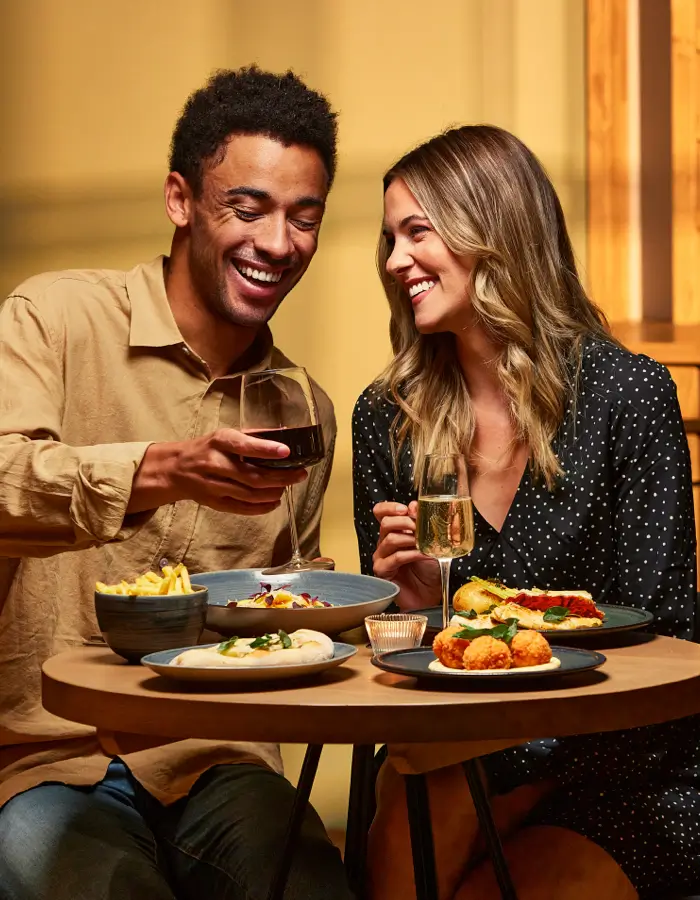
[353, 597]
[160, 663]
[416, 664]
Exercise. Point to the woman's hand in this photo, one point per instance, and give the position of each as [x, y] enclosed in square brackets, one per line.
[398, 559]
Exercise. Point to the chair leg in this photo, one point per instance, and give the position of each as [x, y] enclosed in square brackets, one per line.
[475, 778]
[296, 819]
[361, 809]
[420, 826]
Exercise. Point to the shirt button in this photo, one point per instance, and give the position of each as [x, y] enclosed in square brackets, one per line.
[163, 562]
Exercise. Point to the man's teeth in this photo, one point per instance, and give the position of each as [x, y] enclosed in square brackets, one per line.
[259, 275]
[419, 288]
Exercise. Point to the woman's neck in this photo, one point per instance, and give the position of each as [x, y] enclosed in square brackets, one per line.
[477, 354]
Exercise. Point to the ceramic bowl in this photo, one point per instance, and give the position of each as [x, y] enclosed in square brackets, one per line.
[135, 626]
[352, 597]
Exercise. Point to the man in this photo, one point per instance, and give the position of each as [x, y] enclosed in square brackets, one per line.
[119, 400]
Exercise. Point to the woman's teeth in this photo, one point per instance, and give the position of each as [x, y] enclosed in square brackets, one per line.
[258, 274]
[419, 288]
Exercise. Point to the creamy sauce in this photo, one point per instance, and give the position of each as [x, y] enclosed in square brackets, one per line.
[437, 666]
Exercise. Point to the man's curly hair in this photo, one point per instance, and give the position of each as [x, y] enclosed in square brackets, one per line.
[250, 101]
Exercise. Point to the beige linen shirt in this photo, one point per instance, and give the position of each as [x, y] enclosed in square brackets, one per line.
[92, 369]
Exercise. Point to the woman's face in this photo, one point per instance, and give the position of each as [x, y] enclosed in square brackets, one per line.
[436, 281]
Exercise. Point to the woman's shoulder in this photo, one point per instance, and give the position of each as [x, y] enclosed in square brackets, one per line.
[626, 379]
[374, 406]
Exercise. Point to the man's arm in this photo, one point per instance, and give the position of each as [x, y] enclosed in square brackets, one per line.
[55, 497]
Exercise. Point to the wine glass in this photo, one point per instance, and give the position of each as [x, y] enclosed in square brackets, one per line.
[445, 516]
[279, 405]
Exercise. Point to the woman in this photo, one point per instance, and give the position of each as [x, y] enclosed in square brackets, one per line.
[580, 479]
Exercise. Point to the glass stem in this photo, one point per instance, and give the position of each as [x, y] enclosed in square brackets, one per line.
[296, 559]
[445, 581]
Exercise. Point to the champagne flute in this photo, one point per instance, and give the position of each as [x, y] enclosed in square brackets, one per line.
[445, 516]
[279, 405]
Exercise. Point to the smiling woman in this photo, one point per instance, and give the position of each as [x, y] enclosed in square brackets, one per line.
[579, 477]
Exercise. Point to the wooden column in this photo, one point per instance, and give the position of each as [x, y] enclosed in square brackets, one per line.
[608, 155]
[685, 92]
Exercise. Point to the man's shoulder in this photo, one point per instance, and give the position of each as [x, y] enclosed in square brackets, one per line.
[51, 292]
[52, 284]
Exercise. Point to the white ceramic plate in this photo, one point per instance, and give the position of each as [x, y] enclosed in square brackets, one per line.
[160, 663]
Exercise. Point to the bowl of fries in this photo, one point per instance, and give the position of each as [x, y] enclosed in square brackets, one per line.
[151, 613]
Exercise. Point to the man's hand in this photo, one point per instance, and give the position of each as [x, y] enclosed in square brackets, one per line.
[398, 559]
[210, 470]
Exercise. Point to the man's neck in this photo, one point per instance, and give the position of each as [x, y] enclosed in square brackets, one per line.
[219, 343]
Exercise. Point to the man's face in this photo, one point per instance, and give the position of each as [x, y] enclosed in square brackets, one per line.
[254, 228]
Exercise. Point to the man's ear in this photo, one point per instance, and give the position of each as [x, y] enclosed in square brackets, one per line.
[178, 200]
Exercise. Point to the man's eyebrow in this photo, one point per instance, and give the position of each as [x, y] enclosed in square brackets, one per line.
[243, 191]
[258, 194]
[404, 222]
[310, 201]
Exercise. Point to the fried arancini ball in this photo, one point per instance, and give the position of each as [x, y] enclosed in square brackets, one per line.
[487, 653]
[449, 649]
[530, 648]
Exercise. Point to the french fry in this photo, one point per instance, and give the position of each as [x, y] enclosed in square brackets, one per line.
[174, 580]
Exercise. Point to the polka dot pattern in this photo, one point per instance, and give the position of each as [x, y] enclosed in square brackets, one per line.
[620, 525]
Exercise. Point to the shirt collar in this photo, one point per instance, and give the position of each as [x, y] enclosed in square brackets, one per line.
[153, 324]
[152, 321]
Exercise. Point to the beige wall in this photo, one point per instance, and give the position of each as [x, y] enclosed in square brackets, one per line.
[90, 90]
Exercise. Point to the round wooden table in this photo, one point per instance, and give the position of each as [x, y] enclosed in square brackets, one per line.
[646, 681]
[652, 679]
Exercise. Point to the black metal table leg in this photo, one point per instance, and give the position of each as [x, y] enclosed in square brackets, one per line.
[361, 809]
[301, 801]
[421, 829]
[475, 778]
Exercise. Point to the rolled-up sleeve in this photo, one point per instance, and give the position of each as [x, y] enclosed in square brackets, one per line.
[53, 497]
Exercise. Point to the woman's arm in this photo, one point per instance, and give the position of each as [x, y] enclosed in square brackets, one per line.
[372, 470]
[653, 508]
[385, 512]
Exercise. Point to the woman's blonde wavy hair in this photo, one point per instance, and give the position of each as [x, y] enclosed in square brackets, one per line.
[487, 196]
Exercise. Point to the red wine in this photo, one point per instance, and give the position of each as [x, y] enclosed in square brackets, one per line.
[305, 446]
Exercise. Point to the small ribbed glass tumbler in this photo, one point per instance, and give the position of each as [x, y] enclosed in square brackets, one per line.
[395, 631]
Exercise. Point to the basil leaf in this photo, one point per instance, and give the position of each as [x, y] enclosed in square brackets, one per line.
[262, 643]
[471, 614]
[556, 614]
[469, 634]
[285, 638]
[505, 631]
[226, 645]
[511, 626]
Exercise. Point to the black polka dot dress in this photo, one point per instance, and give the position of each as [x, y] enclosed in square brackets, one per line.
[621, 526]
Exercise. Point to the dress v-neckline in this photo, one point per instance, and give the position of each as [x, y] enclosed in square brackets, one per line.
[511, 508]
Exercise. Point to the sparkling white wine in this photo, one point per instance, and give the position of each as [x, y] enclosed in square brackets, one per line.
[445, 526]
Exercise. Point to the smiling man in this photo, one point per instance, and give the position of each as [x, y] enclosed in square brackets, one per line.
[120, 449]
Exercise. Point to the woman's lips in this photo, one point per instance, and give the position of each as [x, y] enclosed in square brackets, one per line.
[423, 294]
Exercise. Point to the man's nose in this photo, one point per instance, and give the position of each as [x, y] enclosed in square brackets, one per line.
[273, 238]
